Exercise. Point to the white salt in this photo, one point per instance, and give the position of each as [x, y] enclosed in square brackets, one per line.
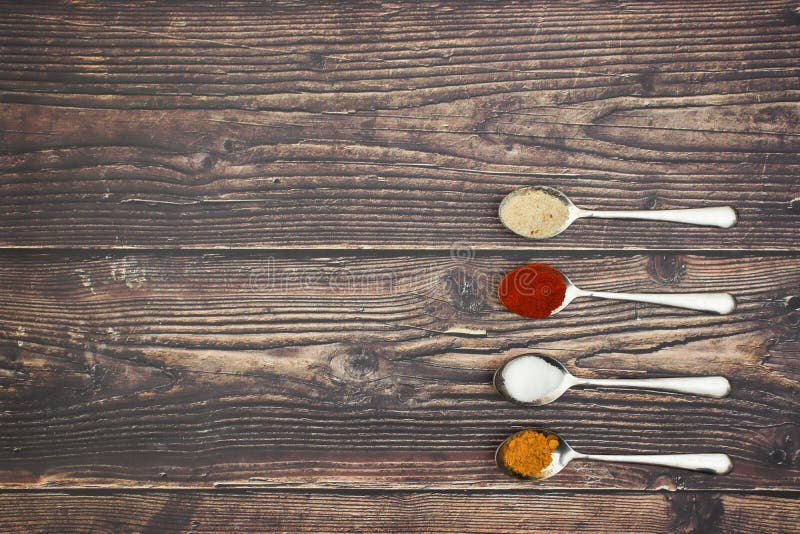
[529, 378]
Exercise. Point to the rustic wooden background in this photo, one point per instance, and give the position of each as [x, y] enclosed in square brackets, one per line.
[241, 244]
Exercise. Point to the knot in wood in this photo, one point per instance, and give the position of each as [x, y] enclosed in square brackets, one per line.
[667, 269]
[465, 290]
[696, 512]
[793, 14]
[354, 363]
[233, 145]
[778, 456]
[784, 450]
[206, 162]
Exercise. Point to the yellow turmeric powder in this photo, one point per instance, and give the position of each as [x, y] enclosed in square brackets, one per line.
[527, 453]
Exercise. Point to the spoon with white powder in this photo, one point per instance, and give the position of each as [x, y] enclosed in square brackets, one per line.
[538, 380]
[540, 212]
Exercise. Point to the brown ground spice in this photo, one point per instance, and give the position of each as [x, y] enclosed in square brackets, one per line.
[534, 213]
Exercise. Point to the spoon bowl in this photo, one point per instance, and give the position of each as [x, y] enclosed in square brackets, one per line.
[559, 457]
[541, 212]
[534, 380]
[563, 454]
[537, 212]
[508, 372]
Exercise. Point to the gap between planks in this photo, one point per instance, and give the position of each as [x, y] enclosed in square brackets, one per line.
[387, 251]
[240, 489]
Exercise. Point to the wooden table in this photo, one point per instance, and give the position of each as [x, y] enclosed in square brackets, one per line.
[250, 250]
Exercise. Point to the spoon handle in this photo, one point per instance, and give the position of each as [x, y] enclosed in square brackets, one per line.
[722, 216]
[722, 303]
[712, 462]
[709, 386]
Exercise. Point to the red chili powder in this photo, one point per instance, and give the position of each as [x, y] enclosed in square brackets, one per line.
[534, 290]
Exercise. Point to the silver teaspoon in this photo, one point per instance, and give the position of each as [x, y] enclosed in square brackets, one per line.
[534, 380]
[531, 282]
[539, 212]
[716, 463]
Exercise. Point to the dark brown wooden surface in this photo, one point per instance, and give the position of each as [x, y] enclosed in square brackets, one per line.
[293, 511]
[393, 125]
[186, 370]
[250, 252]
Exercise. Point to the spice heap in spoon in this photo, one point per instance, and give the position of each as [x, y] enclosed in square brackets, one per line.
[535, 212]
[534, 291]
[528, 453]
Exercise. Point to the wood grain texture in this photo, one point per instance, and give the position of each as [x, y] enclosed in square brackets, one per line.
[307, 386]
[298, 511]
[195, 370]
[397, 125]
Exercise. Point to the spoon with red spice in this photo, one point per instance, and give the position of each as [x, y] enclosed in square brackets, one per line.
[539, 212]
[563, 454]
[539, 290]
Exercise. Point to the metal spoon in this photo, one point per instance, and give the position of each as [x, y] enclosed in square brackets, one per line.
[709, 386]
[716, 463]
[721, 303]
[721, 216]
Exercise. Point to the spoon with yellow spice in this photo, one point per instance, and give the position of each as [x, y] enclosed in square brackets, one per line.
[539, 212]
[540, 454]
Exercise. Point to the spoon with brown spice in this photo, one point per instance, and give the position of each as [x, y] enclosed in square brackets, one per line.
[540, 454]
[539, 212]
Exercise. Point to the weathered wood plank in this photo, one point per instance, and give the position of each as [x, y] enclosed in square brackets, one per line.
[296, 511]
[283, 370]
[395, 125]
